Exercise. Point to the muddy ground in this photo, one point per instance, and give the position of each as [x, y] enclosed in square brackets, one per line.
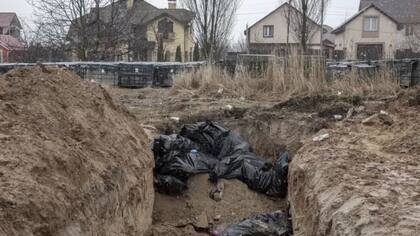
[270, 126]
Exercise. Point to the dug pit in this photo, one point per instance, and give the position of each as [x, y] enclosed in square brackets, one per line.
[269, 127]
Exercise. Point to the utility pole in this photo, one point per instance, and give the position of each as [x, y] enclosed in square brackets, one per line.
[322, 28]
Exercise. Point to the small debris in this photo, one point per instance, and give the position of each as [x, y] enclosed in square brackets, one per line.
[217, 193]
[202, 221]
[360, 109]
[176, 119]
[217, 217]
[242, 99]
[371, 120]
[382, 117]
[220, 91]
[386, 118]
[229, 107]
[350, 113]
[321, 138]
[338, 117]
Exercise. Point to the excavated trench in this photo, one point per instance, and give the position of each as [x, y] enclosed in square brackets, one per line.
[270, 131]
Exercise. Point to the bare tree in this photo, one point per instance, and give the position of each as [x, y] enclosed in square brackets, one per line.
[56, 17]
[241, 45]
[305, 19]
[213, 24]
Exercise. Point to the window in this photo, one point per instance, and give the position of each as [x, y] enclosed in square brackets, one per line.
[165, 27]
[268, 31]
[371, 24]
[409, 30]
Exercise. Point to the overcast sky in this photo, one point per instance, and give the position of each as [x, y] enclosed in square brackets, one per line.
[250, 11]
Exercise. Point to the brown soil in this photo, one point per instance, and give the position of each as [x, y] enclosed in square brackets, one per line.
[269, 126]
[364, 179]
[72, 161]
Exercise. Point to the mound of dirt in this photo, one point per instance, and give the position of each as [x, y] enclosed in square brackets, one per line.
[72, 161]
[363, 180]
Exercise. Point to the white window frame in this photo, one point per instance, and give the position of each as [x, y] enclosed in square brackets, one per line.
[268, 31]
[369, 24]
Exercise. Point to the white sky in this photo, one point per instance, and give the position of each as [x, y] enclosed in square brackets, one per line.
[250, 11]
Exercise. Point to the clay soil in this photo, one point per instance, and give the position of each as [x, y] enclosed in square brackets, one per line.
[270, 126]
[362, 180]
[73, 161]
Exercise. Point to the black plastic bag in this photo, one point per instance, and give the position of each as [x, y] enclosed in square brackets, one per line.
[209, 148]
[273, 224]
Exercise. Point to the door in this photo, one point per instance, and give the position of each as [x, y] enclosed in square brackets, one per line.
[369, 51]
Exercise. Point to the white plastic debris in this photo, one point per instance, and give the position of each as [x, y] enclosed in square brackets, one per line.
[229, 107]
[242, 98]
[338, 117]
[176, 119]
[93, 81]
[220, 91]
[321, 137]
[339, 93]
[384, 113]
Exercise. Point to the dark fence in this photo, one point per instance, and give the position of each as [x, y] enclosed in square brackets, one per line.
[406, 71]
[126, 75]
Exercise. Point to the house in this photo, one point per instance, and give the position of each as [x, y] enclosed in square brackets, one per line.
[11, 45]
[137, 31]
[269, 35]
[381, 29]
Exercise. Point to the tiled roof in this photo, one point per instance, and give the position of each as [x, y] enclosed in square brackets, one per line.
[11, 42]
[404, 11]
[143, 12]
[6, 18]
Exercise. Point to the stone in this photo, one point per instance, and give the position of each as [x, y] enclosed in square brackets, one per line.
[201, 221]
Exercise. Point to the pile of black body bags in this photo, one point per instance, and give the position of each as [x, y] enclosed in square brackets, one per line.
[206, 147]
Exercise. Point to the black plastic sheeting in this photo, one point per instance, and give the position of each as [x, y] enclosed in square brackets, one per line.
[206, 147]
[271, 224]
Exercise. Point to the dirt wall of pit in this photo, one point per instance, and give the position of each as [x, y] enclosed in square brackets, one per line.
[72, 161]
[363, 179]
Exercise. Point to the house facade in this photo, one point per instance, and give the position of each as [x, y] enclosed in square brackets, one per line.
[270, 34]
[11, 45]
[382, 29]
[140, 32]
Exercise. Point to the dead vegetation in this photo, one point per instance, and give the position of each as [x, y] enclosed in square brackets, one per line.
[283, 81]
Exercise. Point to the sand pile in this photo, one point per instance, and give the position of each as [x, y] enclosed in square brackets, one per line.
[72, 161]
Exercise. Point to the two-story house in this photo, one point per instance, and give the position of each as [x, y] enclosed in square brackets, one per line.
[140, 32]
[11, 45]
[270, 34]
[380, 30]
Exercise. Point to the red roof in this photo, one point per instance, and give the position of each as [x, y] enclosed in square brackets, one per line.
[6, 18]
[11, 43]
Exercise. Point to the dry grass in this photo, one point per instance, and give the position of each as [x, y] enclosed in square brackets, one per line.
[284, 81]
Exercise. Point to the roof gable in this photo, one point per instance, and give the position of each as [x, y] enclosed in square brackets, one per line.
[7, 18]
[404, 11]
[341, 28]
[277, 9]
[143, 12]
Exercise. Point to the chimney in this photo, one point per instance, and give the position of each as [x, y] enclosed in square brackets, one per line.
[130, 4]
[172, 4]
